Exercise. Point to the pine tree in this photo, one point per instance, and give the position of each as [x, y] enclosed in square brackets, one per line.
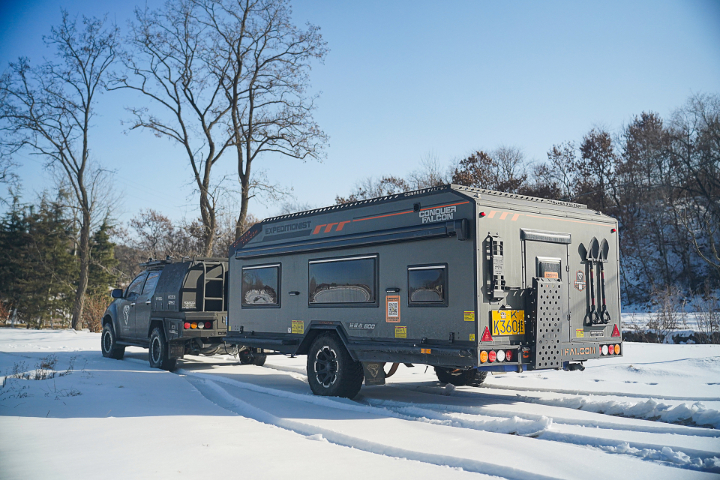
[103, 274]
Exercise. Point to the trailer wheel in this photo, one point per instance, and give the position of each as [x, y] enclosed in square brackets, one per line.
[331, 371]
[248, 357]
[108, 343]
[459, 377]
[158, 353]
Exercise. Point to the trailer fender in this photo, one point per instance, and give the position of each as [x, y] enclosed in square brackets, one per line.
[316, 329]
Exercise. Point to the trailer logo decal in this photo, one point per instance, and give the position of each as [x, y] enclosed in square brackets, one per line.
[298, 327]
[329, 227]
[361, 326]
[126, 312]
[580, 280]
[392, 310]
[400, 332]
[441, 214]
[579, 351]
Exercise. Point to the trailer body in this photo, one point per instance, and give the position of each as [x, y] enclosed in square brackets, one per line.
[455, 277]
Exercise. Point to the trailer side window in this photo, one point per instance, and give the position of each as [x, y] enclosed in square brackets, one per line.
[342, 280]
[427, 285]
[261, 285]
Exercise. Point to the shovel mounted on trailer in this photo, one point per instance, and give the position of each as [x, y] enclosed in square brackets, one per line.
[604, 316]
[592, 255]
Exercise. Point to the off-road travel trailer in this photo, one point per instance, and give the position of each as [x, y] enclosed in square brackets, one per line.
[463, 279]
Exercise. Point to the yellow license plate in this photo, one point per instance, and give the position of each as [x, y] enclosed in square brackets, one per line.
[508, 322]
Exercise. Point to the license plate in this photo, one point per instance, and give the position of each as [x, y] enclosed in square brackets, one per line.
[508, 322]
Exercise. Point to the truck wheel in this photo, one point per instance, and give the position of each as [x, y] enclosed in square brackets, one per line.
[331, 371]
[158, 353]
[108, 343]
[460, 377]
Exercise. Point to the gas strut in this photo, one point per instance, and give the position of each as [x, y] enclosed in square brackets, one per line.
[604, 315]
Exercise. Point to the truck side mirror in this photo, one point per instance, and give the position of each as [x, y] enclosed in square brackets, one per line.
[117, 293]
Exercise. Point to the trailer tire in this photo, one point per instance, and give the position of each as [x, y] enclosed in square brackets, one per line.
[330, 369]
[158, 351]
[248, 357]
[108, 343]
[458, 377]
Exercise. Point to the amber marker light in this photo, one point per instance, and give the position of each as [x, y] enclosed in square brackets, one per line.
[483, 356]
[193, 325]
[617, 349]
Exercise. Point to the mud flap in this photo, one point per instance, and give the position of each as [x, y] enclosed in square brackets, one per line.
[374, 373]
[176, 350]
[547, 314]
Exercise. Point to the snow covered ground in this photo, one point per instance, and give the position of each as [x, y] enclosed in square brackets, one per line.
[654, 413]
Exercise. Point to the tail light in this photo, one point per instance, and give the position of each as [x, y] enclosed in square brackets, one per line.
[509, 355]
[501, 355]
[617, 349]
[187, 325]
[193, 325]
[201, 324]
[208, 325]
[483, 356]
[492, 356]
[604, 350]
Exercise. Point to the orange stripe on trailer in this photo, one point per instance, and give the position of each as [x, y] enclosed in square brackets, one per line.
[515, 217]
[318, 228]
[504, 214]
[341, 225]
[382, 216]
[329, 227]
[492, 213]
[568, 220]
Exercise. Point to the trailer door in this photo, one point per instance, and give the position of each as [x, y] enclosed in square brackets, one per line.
[546, 256]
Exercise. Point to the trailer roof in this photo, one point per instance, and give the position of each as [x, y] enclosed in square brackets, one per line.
[417, 193]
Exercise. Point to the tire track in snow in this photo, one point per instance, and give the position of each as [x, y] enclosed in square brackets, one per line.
[218, 395]
[539, 427]
[597, 393]
[696, 414]
[693, 458]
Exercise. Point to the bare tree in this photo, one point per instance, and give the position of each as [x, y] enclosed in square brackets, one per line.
[263, 63]
[48, 110]
[171, 63]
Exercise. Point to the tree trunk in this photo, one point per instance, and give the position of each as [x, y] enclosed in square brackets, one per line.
[84, 272]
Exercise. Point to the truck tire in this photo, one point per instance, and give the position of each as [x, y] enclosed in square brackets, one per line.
[158, 352]
[460, 377]
[108, 343]
[330, 369]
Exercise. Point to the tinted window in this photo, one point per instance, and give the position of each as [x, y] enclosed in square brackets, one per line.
[260, 285]
[427, 285]
[151, 283]
[135, 287]
[350, 280]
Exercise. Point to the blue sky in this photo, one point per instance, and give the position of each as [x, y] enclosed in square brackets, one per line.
[405, 79]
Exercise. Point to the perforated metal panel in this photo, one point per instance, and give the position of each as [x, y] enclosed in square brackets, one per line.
[549, 314]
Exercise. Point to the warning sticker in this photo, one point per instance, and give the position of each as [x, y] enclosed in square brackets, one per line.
[298, 326]
[469, 316]
[580, 333]
[551, 275]
[392, 310]
[472, 337]
[400, 332]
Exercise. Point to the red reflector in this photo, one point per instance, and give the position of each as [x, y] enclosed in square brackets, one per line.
[187, 325]
[208, 325]
[486, 336]
[612, 230]
[616, 332]
[492, 356]
[508, 355]
[482, 214]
